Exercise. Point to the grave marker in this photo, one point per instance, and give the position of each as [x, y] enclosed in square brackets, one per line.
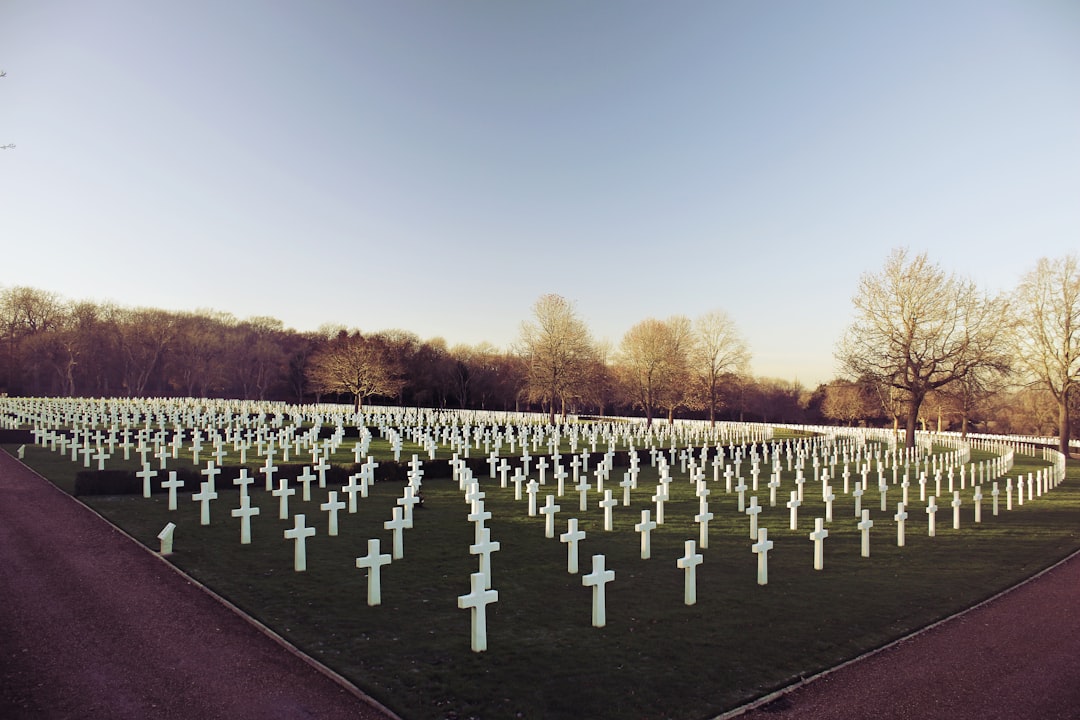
[597, 580]
[373, 561]
[572, 537]
[166, 538]
[818, 536]
[476, 602]
[299, 533]
[688, 563]
[761, 548]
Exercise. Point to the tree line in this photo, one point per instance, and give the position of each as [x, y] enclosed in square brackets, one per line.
[926, 348]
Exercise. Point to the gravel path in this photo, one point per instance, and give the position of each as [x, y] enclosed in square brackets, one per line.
[93, 625]
[1015, 657]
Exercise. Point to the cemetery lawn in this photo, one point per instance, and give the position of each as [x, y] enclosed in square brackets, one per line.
[657, 657]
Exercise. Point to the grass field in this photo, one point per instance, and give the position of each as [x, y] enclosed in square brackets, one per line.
[657, 657]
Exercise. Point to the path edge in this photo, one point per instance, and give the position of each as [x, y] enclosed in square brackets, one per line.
[804, 681]
[316, 665]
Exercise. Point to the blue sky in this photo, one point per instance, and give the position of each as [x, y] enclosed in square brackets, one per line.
[437, 166]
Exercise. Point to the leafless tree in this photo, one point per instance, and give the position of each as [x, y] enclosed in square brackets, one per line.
[1048, 331]
[918, 329]
[848, 402]
[652, 363]
[356, 365]
[557, 349]
[717, 350]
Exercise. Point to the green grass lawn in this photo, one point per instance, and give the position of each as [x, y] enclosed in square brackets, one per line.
[656, 658]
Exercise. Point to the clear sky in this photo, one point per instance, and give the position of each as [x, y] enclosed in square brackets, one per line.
[437, 166]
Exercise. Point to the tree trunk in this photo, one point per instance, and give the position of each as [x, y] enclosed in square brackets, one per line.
[1064, 426]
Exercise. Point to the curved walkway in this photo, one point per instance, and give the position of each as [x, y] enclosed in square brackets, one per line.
[1014, 657]
[92, 624]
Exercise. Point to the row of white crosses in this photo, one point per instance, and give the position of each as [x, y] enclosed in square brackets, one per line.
[600, 575]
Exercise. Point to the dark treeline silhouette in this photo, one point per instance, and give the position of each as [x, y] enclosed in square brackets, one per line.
[57, 347]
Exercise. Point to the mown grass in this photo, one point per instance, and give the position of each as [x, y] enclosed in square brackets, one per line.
[656, 658]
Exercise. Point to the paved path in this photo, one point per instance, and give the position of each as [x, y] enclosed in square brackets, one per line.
[92, 625]
[1016, 657]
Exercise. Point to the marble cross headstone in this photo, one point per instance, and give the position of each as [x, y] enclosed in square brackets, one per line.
[245, 512]
[477, 601]
[864, 527]
[688, 563]
[645, 527]
[572, 537]
[299, 533]
[597, 580]
[373, 561]
[761, 548]
[818, 536]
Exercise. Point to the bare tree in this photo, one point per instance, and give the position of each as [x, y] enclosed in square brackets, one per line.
[1048, 331]
[652, 363]
[847, 401]
[918, 329]
[718, 350]
[355, 365]
[558, 350]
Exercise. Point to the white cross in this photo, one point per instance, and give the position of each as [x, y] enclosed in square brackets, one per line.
[204, 496]
[549, 510]
[351, 488]
[818, 536]
[407, 501]
[583, 489]
[397, 525]
[532, 488]
[332, 506]
[322, 467]
[146, 473]
[597, 580]
[608, 504]
[478, 516]
[244, 512]
[753, 511]
[299, 533]
[793, 506]
[373, 561]
[865, 526]
[477, 601]
[211, 474]
[306, 479]
[171, 485]
[282, 494]
[645, 527]
[572, 537]
[484, 547]
[900, 516]
[269, 469]
[703, 518]
[660, 498]
[626, 484]
[689, 562]
[560, 478]
[741, 489]
[243, 481]
[761, 548]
